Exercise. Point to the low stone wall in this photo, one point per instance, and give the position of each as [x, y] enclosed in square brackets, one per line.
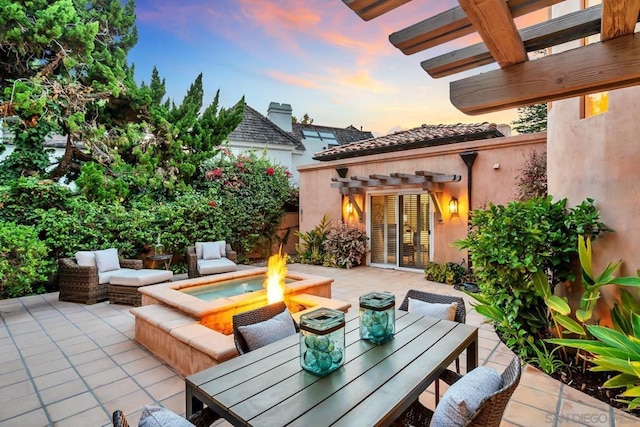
[188, 346]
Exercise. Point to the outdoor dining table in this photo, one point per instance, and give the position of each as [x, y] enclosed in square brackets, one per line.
[268, 387]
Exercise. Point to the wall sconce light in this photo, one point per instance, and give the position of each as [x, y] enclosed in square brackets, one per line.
[453, 206]
[349, 208]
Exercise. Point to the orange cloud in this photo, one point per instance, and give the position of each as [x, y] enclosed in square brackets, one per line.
[293, 80]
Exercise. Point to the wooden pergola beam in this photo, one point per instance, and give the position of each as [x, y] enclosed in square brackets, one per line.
[493, 21]
[452, 24]
[369, 9]
[593, 68]
[572, 26]
[619, 18]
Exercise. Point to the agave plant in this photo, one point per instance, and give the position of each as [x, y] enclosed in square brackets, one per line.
[614, 351]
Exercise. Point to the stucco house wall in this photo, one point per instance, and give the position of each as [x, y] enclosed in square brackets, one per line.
[498, 163]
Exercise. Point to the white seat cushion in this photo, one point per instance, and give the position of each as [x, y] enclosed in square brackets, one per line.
[216, 266]
[86, 258]
[104, 277]
[140, 277]
[211, 250]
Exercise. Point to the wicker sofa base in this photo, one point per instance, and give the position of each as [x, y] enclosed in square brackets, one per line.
[80, 292]
[126, 295]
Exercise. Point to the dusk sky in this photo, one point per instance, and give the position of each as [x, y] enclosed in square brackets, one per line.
[316, 55]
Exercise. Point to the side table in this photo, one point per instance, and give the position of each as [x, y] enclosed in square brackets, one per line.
[166, 258]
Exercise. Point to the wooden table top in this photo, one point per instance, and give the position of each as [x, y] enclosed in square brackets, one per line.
[267, 387]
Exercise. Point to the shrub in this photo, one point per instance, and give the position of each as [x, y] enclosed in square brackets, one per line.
[449, 272]
[310, 249]
[344, 246]
[508, 244]
[23, 259]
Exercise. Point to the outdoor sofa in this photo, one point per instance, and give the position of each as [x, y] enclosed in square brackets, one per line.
[206, 258]
[94, 276]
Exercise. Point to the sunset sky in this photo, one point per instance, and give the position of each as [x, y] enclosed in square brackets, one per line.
[316, 55]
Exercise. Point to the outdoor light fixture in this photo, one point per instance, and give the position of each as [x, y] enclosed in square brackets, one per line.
[349, 208]
[453, 206]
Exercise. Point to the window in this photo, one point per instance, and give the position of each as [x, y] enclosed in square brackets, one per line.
[594, 103]
[322, 136]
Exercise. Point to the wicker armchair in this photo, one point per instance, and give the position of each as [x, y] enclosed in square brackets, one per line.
[490, 412]
[203, 418]
[255, 316]
[460, 317]
[192, 259]
[80, 284]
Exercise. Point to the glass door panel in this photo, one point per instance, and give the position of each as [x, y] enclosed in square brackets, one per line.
[384, 229]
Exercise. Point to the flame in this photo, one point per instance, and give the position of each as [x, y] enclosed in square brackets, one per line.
[276, 272]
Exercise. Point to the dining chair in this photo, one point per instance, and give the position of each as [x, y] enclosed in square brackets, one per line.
[460, 316]
[202, 418]
[252, 317]
[489, 412]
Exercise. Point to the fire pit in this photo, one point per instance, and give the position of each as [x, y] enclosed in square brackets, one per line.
[188, 323]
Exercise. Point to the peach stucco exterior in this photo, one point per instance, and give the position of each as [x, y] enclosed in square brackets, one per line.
[498, 163]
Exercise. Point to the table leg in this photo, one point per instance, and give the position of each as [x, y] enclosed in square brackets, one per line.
[472, 353]
[193, 404]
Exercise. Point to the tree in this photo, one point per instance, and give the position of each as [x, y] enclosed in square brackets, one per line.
[531, 119]
[61, 61]
[306, 120]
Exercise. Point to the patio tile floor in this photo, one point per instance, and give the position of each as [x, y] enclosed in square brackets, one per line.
[72, 364]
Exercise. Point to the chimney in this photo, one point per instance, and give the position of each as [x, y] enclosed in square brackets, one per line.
[280, 114]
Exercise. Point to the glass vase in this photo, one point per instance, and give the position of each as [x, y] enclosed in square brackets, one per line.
[322, 341]
[377, 316]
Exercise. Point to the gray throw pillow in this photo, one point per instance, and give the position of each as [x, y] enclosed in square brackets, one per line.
[464, 397]
[438, 311]
[263, 333]
[107, 260]
[155, 416]
[210, 250]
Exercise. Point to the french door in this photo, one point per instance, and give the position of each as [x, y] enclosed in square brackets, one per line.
[400, 230]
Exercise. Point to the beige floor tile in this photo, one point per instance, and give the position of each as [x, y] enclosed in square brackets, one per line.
[14, 391]
[130, 403]
[176, 403]
[37, 370]
[99, 365]
[154, 375]
[528, 396]
[62, 391]
[13, 377]
[112, 391]
[105, 377]
[130, 356]
[35, 418]
[91, 417]
[55, 378]
[583, 414]
[141, 365]
[45, 348]
[71, 406]
[11, 366]
[39, 359]
[121, 347]
[166, 388]
[19, 405]
[82, 353]
[528, 415]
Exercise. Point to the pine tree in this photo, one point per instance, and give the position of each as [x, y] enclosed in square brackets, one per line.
[531, 119]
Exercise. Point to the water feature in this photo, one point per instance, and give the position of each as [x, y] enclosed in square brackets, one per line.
[230, 288]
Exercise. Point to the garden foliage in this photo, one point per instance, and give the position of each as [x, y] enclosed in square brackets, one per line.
[449, 272]
[333, 245]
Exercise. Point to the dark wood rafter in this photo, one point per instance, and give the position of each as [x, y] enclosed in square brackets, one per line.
[494, 23]
[573, 26]
[592, 68]
[369, 9]
[452, 24]
[611, 64]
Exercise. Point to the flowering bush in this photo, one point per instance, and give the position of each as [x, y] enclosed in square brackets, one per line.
[252, 193]
[344, 246]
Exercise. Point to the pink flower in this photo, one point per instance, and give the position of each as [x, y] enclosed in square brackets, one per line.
[212, 203]
[240, 165]
[270, 171]
[209, 175]
[217, 172]
[288, 174]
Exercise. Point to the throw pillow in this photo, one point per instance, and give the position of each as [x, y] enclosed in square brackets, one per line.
[439, 311]
[155, 416]
[211, 250]
[263, 333]
[107, 260]
[464, 397]
[223, 247]
[199, 249]
[86, 258]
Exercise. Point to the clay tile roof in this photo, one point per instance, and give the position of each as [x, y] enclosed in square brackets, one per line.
[256, 128]
[423, 136]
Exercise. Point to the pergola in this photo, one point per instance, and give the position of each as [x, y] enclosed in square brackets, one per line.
[612, 63]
